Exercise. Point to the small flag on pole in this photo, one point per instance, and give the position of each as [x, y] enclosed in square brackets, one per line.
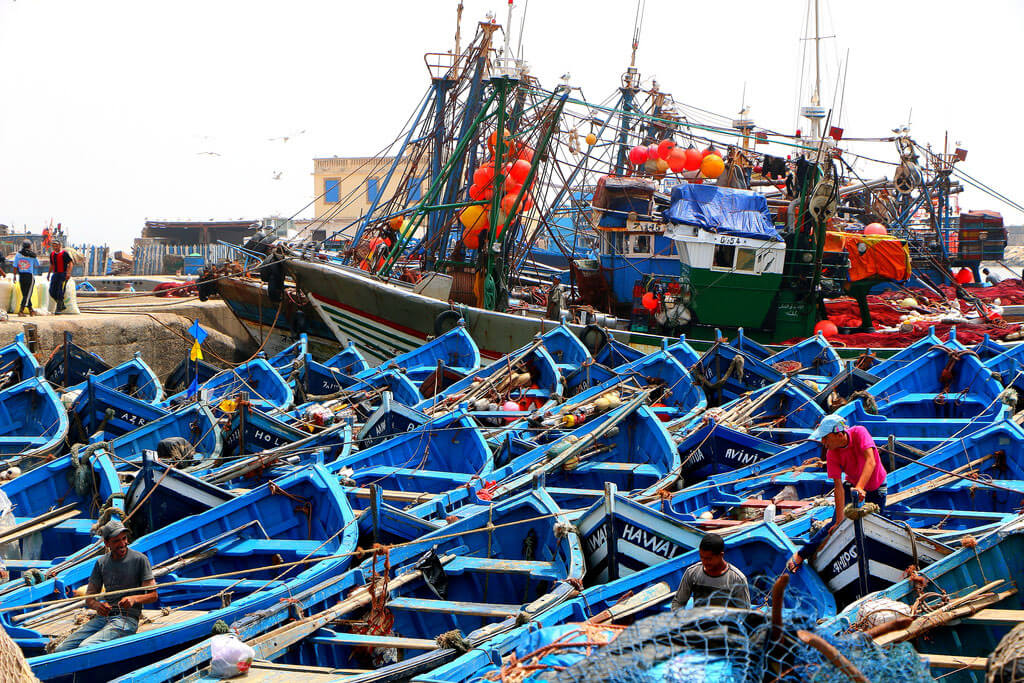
[196, 353]
[193, 388]
[197, 332]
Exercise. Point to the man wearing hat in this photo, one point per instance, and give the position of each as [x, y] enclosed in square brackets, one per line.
[850, 453]
[118, 572]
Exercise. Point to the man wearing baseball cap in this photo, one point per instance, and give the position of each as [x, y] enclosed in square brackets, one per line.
[117, 572]
[850, 453]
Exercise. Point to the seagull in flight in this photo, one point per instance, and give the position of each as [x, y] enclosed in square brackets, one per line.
[277, 175]
[211, 154]
[286, 138]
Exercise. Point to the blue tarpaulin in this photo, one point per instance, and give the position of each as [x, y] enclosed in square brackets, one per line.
[722, 209]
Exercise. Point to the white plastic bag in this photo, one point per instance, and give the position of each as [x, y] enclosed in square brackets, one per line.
[230, 656]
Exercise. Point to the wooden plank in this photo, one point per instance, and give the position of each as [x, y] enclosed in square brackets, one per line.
[955, 662]
[358, 639]
[44, 521]
[937, 482]
[396, 496]
[474, 609]
[546, 570]
[996, 617]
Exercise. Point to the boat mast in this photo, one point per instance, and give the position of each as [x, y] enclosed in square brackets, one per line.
[630, 86]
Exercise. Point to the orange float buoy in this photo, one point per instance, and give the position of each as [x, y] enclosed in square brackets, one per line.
[827, 328]
[712, 166]
[676, 160]
[875, 229]
[692, 160]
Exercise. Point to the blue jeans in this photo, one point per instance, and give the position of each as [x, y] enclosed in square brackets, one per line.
[815, 542]
[100, 630]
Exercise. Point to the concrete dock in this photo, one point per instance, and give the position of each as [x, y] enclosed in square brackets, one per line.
[157, 327]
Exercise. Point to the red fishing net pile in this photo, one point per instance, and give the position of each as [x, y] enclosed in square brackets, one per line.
[885, 312]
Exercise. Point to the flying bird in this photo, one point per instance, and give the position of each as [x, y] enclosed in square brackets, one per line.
[277, 175]
[211, 154]
[286, 138]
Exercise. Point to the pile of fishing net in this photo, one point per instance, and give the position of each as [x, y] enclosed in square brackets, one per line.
[722, 644]
[714, 644]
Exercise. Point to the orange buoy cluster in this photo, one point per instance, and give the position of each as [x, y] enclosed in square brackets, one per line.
[667, 156]
[475, 219]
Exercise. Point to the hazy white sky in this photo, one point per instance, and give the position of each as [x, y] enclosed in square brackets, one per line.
[111, 108]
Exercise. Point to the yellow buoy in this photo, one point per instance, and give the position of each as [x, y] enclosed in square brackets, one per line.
[591, 139]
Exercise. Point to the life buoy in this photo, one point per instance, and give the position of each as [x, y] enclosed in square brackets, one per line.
[588, 333]
[445, 321]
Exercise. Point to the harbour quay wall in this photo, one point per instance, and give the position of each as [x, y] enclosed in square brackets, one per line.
[154, 326]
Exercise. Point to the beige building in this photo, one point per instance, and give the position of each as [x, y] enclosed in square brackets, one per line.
[345, 188]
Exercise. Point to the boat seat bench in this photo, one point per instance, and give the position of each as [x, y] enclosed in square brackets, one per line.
[536, 569]
[455, 607]
[361, 640]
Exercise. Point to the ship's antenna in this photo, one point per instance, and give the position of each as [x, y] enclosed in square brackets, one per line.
[842, 97]
[638, 23]
[458, 28]
[522, 25]
[508, 28]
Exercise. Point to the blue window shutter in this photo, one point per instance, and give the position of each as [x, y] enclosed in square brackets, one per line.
[415, 189]
[331, 190]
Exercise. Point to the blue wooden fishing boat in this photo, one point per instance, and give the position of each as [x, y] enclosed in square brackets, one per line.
[243, 546]
[16, 362]
[745, 345]
[613, 353]
[193, 422]
[684, 353]
[941, 383]
[517, 572]
[675, 396]
[455, 350]
[957, 642]
[33, 423]
[1010, 366]
[70, 364]
[528, 376]
[726, 373]
[161, 494]
[266, 389]
[387, 631]
[55, 506]
[436, 457]
[290, 361]
[759, 553]
[627, 446]
[566, 349]
[133, 377]
[784, 412]
[187, 370]
[621, 536]
[988, 348]
[813, 356]
[912, 352]
[100, 413]
[709, 448]
[250, 430]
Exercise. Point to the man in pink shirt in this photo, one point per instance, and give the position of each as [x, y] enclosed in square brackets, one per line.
[850, 453]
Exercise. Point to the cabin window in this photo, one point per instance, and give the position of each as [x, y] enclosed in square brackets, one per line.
[641, 244]
[746, 259]
[724, 255]
[331, 186]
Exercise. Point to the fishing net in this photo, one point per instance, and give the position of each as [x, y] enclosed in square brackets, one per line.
[726, 644]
